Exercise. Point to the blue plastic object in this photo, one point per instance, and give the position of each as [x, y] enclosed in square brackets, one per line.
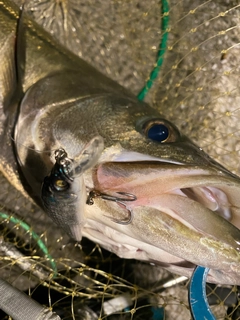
[158, 313]
[197, 295]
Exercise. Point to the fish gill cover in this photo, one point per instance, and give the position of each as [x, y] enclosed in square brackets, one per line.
[197, 88]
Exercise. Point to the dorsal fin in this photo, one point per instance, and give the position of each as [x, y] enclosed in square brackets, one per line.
[12, 64]
[12, 57]
[20, 51]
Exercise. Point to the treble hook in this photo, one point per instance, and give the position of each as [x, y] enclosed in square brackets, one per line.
[128, 197]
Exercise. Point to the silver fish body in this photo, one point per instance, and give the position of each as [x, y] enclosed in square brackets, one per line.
[187, 207]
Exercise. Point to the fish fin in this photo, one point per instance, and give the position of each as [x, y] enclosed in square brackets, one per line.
[12, 57]
[20, 52]
[10, 33]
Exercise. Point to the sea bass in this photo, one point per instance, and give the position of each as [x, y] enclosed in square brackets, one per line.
[106, 166]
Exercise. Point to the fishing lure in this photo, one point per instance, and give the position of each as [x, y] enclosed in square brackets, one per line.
[64, 193]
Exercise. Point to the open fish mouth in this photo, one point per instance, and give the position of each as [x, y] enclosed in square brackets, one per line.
[212, 198]
[189, 212]
[168, 183]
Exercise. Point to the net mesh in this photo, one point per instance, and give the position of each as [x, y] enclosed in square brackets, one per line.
[197, 88]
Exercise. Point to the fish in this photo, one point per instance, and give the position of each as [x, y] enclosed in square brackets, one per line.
[147, 193]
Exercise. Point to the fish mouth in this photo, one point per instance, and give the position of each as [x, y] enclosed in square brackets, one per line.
[182, 213]
[199, 197]
[210, 197]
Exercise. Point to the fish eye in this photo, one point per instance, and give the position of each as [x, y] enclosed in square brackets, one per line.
[61, 185]
[160, 130]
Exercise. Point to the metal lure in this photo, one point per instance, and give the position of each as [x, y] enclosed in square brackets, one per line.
[63, 191]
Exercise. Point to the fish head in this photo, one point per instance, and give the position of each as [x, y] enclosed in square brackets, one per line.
[186, 207]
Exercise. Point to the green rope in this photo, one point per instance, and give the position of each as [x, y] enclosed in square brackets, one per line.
[161, 51]
[34, 235]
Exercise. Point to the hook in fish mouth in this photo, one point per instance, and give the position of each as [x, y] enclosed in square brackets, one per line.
[119, 200]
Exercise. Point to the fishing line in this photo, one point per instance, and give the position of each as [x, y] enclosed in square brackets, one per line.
[161, 51]
[32, 149]
[34, 235]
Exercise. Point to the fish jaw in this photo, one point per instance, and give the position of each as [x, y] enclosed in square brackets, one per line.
[212, 188]
[182, 214]
[148, 239]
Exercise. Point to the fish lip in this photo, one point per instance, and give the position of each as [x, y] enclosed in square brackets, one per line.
[132, 156]
[208, 194]
[202, 160]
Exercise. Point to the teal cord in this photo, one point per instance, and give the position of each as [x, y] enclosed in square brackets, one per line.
[161, 51]
[33, 234]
